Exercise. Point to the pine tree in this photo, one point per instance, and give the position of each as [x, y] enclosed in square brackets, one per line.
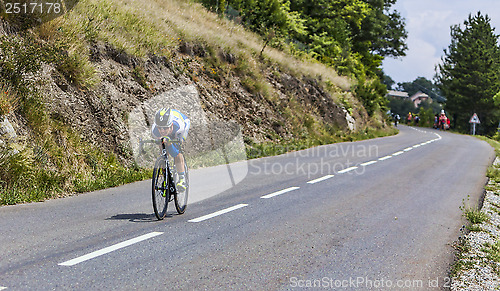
[469, 75]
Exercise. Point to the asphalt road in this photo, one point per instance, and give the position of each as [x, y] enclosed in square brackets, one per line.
[376, 214]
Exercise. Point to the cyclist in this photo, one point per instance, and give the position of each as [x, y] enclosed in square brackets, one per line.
[172, 124]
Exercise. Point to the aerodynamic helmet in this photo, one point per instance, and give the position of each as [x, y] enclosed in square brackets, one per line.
[163, 118]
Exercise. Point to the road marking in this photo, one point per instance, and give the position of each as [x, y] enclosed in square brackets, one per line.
[279, 192]
[110, 249]
[385, 158]
[347, 170]
[3, 288]
[320, 179]
[368, 163]
[217, 213]
[407, 149]
[416, 146]
[398, 153]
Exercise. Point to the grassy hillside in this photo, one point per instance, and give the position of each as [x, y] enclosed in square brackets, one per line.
[69, 85]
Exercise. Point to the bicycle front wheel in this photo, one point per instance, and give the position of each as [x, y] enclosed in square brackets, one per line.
[181, 197]
[161, 193]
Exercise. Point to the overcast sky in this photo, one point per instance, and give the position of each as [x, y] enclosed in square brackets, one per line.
[428, 25]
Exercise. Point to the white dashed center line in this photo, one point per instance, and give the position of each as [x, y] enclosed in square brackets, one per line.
[368, 163]
[385, 158]
[279, 192]
[320, 179]
[347, 170]
[110, 249]
[220, 212]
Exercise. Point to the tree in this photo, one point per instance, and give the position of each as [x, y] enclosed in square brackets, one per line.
[381, 34]
[469, 75]
[386, 80]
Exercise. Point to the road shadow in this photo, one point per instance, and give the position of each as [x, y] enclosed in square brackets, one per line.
[137, 217]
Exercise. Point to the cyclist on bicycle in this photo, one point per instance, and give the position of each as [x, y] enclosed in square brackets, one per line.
[172, 124]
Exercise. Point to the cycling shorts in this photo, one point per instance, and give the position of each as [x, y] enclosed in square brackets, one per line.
[174, 149]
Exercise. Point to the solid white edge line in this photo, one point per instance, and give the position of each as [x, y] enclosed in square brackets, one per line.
[368, 163]
[279, 192]
[347, 170]
[320, 179]
[110, 249]
[217, 213]
[398, 153]
[385, 158]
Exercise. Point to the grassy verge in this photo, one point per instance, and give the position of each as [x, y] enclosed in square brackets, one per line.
[60, 165]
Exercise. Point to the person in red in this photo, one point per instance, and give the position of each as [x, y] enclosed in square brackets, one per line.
[444, 122]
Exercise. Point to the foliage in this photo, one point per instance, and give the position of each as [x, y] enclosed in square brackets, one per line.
[352, 36]
[426, 117]
[372, 93]
[473, 214]
[386, 80]
[401, 106]
[469, 75]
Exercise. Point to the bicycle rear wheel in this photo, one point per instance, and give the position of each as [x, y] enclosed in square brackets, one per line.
[161, 193]
[181, 198]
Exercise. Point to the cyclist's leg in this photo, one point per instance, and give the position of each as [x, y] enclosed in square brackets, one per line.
[174, 152]
[179, 163]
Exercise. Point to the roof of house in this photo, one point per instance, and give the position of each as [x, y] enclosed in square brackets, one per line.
[399, 94]
[418, 95]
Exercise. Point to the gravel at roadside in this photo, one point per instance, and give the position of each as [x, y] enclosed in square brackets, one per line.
[478, 259]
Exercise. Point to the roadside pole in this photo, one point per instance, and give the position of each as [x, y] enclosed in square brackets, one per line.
[474, 120]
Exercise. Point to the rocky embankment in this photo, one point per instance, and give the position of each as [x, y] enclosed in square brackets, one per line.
[101, 113]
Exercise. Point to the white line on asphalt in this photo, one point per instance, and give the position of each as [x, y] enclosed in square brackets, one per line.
[320, 179]
[3, 288]
[385, 158]
[279, 192]
[217, 213]
[407, 149]
[416, 146]
[347, 170]
[368, 163]
[110, 249]
[398, 153]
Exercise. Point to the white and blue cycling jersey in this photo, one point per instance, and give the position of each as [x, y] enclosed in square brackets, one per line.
[180, 130]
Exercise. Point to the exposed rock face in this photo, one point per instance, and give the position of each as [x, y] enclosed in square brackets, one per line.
[100, 114]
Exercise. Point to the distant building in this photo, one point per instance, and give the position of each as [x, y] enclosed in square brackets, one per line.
[420, 97]
[397, 94]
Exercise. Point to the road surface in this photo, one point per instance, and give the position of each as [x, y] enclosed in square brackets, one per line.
[379, 213]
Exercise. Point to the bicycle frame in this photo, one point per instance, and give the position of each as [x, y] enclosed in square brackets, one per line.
[163, 192]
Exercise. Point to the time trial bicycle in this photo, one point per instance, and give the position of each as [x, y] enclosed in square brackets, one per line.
[165, 179]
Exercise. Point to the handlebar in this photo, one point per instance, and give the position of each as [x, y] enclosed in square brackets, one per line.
[156, 141]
